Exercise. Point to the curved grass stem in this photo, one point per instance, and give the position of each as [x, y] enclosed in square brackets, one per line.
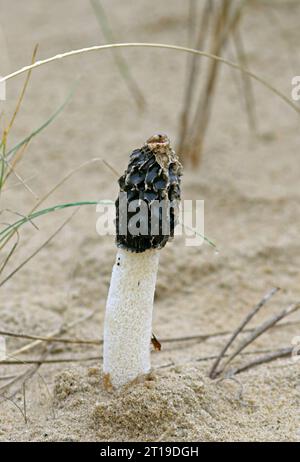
[204, 54]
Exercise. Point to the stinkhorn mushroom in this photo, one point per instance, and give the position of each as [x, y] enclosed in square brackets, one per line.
[151, 185]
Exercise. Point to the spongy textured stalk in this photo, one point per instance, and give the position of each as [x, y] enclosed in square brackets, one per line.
[128, 319]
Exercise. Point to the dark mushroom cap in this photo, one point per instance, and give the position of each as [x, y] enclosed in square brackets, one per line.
[153, 176]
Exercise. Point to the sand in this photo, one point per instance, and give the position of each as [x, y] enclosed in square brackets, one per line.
[251, 190]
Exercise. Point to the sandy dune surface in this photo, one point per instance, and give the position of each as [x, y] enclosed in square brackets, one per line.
[251, 190]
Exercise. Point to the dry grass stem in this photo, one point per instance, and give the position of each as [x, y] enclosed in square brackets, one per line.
[213, 372]
[191, 79]
[247, 82]
[278, 354]
[260, 330]
[204, 54]
[55, 333]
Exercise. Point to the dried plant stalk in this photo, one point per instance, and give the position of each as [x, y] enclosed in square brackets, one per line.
[247, 82]
[240, 328]
[264, 359]
[191, 80]
[225, 23]
[260, 330]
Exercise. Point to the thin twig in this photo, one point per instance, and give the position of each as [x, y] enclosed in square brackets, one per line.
[223, 333]
[51, 339]
[57, 332]
[12, 362]
[278, 354]
[213, 372]
[99, 342]
[7, 377]
[259, 331]
[100, 357]
[226, 355]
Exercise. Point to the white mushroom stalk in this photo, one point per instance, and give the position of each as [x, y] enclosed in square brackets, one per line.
[151, 185]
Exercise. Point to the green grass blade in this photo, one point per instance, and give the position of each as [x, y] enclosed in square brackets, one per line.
[15, 226]
[44, 125]
[4, 233]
